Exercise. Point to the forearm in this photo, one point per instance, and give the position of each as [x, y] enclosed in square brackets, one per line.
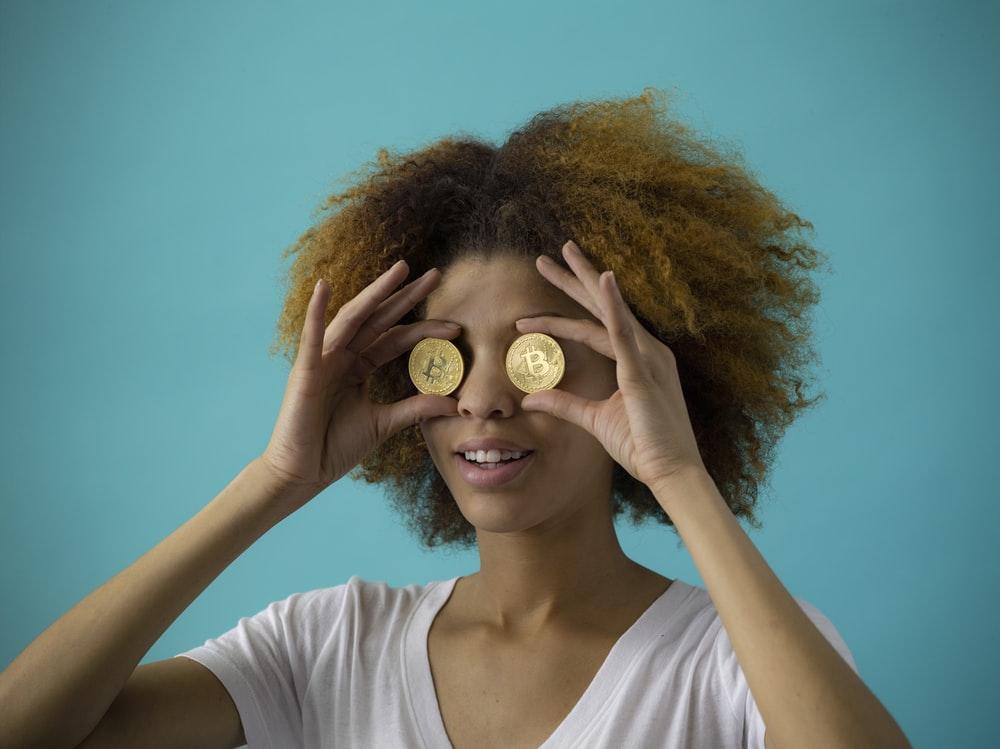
[60, 686]
[807, 694]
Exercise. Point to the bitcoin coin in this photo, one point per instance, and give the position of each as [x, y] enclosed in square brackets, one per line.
[436, 366]
[535, 362]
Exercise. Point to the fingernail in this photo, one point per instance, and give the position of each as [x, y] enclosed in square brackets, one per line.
[454, 325]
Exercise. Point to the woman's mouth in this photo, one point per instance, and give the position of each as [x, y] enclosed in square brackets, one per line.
[493, 473]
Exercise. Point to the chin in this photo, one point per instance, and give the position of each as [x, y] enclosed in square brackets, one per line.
[499, 512]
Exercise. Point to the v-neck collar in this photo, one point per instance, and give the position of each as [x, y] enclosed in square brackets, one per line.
[419, 683]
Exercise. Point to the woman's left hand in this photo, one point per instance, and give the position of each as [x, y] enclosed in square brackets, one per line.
[644, 425]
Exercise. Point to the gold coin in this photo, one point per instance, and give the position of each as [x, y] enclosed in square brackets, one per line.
[535, 362]
[436, 366]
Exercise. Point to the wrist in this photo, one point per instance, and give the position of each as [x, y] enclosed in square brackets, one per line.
[682, 483]
[279, 489]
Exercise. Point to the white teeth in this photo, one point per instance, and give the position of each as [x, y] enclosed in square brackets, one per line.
[492, 456]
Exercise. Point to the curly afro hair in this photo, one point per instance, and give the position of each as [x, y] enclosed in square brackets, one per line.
[708, 260]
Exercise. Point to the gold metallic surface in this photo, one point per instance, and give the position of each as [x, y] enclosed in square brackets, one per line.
[535, 362]
[436, 366]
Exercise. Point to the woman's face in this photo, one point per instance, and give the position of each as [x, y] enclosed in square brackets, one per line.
[569, 469]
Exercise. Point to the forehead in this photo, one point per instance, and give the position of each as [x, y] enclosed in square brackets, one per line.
[477, 292]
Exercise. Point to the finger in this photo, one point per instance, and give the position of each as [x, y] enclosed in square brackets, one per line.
[350, 317]
[583, 269]
[565, 280]
[561, 404]
[398, 339]
[392, 417]
[393, 308]
[311, 341]
[587, 332]
[618, 319]
[590, 278]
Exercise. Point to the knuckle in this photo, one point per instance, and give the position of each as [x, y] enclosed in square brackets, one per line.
[367, 360]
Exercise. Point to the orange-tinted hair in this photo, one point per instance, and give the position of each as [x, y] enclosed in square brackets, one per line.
[707, 258]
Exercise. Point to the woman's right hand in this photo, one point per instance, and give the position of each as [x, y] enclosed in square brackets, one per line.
[327, 423]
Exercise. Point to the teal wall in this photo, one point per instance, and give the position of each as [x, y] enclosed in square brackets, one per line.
[157, 157]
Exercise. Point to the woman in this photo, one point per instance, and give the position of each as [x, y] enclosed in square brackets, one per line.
[681, 264]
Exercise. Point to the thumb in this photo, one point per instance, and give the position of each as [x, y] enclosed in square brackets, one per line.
[392, 417]
[563, 405]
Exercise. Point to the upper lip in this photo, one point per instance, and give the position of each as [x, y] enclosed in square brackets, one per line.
[490, 444]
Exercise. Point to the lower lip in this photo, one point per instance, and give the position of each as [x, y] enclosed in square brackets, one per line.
[492, 477]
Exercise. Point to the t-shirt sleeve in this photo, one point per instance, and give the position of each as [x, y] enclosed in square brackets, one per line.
[262, 664]
[744, 706]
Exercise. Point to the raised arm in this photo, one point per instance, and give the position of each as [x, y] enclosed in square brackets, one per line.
[60, 686]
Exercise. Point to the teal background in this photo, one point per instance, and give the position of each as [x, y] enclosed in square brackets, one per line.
[157, 157]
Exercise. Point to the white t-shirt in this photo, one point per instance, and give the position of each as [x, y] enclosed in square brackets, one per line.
[347, 666]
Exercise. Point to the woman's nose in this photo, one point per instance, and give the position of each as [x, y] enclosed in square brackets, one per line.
[486, 390]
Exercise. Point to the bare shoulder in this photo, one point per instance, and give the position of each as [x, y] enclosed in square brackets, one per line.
[173, 702]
